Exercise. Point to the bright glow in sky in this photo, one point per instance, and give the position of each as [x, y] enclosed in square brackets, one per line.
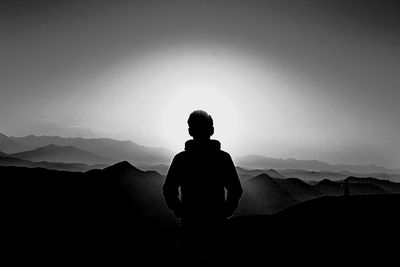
[252, 102]
[315, 80]
[240, 93]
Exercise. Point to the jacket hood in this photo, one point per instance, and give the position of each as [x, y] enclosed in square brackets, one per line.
[192, 145]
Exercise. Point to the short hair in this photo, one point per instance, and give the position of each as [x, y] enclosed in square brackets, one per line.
[200, 121]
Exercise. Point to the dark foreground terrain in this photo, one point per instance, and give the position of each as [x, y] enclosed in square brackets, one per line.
[330, 230]
[117, 216]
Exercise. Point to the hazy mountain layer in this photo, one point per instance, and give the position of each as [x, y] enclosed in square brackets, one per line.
[8, 145]
[305, 175]
[67, 154]
[261, 162]
[59, 166]
[263, 194]
[104, 147]
[147, 156]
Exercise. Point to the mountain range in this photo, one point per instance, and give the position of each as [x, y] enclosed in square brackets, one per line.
[106, 150]
[266, 195]
[59, 166]
[310, 176]
[263, 194]
[7, 145]
[110, 150]
[66, 154]
[261, 162]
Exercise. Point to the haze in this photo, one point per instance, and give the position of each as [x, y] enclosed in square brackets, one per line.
[308, 80]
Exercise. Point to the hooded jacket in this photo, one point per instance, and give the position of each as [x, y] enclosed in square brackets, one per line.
[202, 182]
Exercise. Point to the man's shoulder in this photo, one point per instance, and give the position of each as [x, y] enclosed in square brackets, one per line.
[224, 154]
[183, 154]
[179, 156]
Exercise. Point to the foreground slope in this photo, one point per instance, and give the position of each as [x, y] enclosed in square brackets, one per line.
[118, 213]
[328, 230]
[100, 215]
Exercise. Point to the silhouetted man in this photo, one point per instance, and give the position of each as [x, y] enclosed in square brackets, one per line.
[202, 173]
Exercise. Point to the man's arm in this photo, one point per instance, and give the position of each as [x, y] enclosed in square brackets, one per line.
[233, 187]
[171, 189]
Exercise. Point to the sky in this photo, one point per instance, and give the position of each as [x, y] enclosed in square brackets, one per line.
[300, 79]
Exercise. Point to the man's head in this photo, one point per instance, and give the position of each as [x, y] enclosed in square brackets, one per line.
[200, 125]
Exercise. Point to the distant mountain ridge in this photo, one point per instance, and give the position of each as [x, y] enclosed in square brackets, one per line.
[305, 175]
[262, 162]
[7, 145]
[7, 161]
[148, 156]
[104, 147]
[246, 174]
[66, 154]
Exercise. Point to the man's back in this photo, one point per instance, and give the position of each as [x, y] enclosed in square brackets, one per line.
[203, 189]
[203, 171]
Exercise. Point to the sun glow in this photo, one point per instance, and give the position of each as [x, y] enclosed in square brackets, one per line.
[209, 81]
[156, 93]
[220, 106]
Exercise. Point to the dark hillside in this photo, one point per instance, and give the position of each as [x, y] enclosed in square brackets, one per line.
[118, 215]
[328, 230]
[98, 216]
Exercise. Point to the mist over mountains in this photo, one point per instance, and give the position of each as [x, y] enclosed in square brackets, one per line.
[262, 162]
[141, 189]
[59, 166]
[108, 151]
[246, 174]
[88, 150]
[66, 154]
[7, 145]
